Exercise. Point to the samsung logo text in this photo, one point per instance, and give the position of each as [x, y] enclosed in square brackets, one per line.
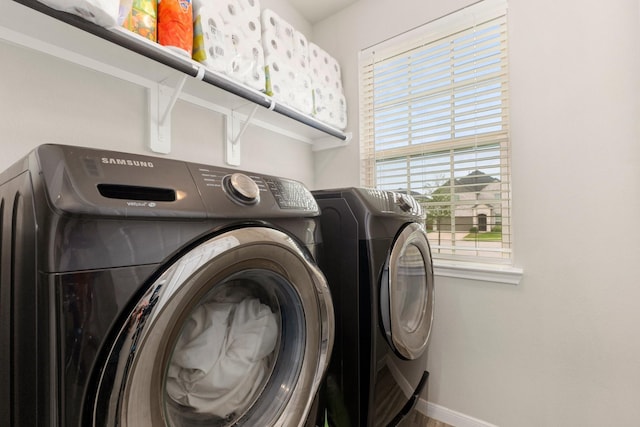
[126, 162]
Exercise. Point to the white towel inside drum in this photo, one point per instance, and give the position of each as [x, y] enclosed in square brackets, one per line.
[220, 358]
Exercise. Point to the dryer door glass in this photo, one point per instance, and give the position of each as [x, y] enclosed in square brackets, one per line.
[235, 332]
[409, 302]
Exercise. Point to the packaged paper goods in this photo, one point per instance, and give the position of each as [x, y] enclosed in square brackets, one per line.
[330, 106]
[325, 69]
[247, 65]
[287, 85]
[227, 39]
[175, 25]
[286, 63]
[277, 28]
[209, 44]
[140, 17]
[251, 8]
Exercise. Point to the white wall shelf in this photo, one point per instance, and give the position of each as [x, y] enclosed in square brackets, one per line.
[167, 76]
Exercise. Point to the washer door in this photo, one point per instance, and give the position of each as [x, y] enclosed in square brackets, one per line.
[406, 293]
[235, 332]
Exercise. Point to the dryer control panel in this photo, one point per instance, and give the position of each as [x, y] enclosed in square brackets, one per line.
[390, 202]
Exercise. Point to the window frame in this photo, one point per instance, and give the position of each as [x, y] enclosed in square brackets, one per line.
[453, 27]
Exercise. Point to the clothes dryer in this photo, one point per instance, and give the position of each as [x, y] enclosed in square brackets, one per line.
[377, 261]
[141, 291]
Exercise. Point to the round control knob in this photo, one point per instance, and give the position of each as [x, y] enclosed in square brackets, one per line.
[403, 203]
[243, 188]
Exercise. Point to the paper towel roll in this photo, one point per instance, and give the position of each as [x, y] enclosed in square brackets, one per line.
[330, 106]
[249, 27]
[301, 42]
[232, 41]
[228, 10]
[295, 67]
[335, 67]
[325, 63]
[247, 66]
[318, 58]
[303, 93]
[286, 55]
[210, 45]
[324, 69]
[274, 46]
[250, 8]
[277, 27]
[270, 21]
[341, 105]
[101, 12]
[301, 51]
[243, 30]
[288, 85]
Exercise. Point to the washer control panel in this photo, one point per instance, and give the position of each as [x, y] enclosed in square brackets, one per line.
[84, 180]
[271, 196]
[291, 194]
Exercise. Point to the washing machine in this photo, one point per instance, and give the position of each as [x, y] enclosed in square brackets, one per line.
[377, 261]
[142, 291]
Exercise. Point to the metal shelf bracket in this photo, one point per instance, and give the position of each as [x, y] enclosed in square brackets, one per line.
[162, 99]
[232, 146]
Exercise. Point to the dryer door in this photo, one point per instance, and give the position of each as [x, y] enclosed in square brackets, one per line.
[406, 293]
[237, 331]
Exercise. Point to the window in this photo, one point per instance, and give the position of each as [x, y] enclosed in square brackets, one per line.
[435, 124]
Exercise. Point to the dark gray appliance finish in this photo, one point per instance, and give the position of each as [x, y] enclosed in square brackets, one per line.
[377, 261]
[103, 252]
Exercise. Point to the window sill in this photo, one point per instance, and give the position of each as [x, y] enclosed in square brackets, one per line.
[474, 271]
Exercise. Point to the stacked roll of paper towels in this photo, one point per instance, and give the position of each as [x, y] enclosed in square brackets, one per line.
[330, 104]
[301, 74]
[286, 63]
[227, 39]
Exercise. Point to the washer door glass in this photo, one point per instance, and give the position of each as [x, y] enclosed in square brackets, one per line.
[235, 332]
[407, 293]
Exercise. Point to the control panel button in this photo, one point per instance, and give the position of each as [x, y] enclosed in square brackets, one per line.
[291, 194]
[242, 188]
[403, 203]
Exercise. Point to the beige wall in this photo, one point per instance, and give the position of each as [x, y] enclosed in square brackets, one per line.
[562, 347]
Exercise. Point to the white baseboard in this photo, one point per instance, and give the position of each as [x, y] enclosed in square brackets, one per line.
[433, 410]
[448, 416]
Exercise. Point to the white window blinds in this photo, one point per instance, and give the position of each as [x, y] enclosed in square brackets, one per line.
[435, 124]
